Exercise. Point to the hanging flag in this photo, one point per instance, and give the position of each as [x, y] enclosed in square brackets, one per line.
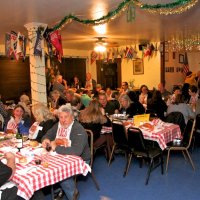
[38, 44]
[48, 41]
[122, 52]
[21, 45]
[185, 65]
[13, 44]
[93, 56]
[7, 44]
[129, 53]
[55, 39]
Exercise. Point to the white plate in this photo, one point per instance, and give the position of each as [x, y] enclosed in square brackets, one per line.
[29, 159]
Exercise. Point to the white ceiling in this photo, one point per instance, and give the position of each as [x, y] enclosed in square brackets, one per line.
[14, 14]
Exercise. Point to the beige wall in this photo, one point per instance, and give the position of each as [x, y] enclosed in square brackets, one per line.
[151, 76]
[173, 78]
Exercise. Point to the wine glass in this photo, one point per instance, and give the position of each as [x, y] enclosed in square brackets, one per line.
[48, 147]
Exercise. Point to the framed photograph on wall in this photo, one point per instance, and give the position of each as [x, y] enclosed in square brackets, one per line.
[138, 67]
[181, 58]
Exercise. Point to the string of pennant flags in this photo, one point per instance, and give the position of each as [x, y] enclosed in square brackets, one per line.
[15, 43]
[128, 53]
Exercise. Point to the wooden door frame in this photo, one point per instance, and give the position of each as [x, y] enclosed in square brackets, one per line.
[119, 71]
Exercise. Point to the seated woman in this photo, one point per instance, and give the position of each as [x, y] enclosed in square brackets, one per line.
[180, 106]
[44, 121]
[157, 105]
[144, 95]
[93, 118]
[127, 106]
[57, 100]
[17, 122]
[139, 109]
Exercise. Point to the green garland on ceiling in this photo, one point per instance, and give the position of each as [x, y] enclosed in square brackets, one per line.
[176, 7]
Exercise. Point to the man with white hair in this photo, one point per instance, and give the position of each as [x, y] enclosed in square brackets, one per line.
[74, 142]
[60, 84]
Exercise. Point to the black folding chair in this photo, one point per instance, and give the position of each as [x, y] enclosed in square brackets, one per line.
[139, 148]
[184, 144]
[119, 138]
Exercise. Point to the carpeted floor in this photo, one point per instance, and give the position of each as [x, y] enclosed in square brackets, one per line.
[181, 182]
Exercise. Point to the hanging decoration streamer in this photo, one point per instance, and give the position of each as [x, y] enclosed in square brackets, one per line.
[176, 7]
[131, 12]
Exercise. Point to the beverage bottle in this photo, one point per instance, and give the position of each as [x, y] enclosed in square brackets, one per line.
[19, 140]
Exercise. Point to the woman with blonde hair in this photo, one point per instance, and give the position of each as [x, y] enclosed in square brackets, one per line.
[92, 118]
[44, 120]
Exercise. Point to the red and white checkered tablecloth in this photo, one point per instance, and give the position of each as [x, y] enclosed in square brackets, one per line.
[60, 167]
[167, 133]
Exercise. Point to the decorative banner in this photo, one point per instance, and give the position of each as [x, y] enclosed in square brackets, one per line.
[93, 57]
[48, 41]
[55, 39]
[7, 44]
[38, 45]
[131, 12]
[13, 44]
[21, 45]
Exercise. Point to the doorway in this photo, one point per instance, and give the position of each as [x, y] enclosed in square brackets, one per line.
[109, 73]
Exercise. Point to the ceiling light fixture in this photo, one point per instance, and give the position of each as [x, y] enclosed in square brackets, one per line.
[100, 48]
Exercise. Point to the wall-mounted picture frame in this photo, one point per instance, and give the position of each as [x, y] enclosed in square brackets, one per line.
[181, 58]
[138, 67]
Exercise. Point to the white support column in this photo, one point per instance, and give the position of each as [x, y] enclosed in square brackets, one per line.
[37, 65]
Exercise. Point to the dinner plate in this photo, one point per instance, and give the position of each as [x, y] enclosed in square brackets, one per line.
[28, 160]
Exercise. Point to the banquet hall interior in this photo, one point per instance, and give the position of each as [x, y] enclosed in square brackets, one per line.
[141, 42]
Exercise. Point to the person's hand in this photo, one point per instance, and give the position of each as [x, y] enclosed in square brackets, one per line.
[53, 145]
[102, 110]
[64, 82]
[9, 156]
[45, 142]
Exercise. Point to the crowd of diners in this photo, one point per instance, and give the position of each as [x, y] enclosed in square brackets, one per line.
[72, 109]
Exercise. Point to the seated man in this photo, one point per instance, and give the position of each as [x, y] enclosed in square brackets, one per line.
[75, 142]
[108, 106]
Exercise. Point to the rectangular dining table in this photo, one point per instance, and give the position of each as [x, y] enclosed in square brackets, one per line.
[162, 135]
[31, 177]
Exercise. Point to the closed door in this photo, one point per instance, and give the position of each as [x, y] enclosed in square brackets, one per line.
[107, 74]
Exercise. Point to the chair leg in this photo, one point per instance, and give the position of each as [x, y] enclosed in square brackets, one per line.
[52, 192]
[184, 155]
[128, 164]
[190, 159]
[167, 162]
[162, 164]
[95, 181]
[113, 148]
[149, 172]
